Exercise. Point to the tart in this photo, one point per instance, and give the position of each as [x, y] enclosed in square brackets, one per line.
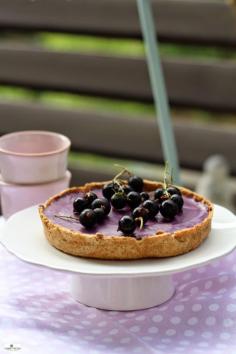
[158, 238]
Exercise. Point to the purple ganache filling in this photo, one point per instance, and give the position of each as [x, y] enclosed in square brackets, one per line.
[193, 213]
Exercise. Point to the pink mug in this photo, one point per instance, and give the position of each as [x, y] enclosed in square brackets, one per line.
[34, 156]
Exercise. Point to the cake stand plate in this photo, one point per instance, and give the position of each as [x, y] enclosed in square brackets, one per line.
[115, 285]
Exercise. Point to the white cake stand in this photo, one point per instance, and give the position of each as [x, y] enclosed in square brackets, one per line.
[116, 285]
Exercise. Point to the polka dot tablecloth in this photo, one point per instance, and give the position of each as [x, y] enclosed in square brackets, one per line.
[38, 315]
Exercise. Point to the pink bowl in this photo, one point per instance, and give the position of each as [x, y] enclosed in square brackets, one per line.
[15, 197]
[30, 157]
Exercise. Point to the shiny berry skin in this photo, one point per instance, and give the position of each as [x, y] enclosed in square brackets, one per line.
[141, 212]
[144, 196]
[173, 190]
[159, 193]
[90, 197]
[88, 218]
[152, 206]
[127, 225]
[127, 189]
[118, 200]
[100, 214]
[108, 190]
[136, 183]
[101, 203]
[168, 209]
[80, 204]
[178, 200]
[133, 199]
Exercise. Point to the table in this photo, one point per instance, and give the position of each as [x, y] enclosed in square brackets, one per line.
[37, 316]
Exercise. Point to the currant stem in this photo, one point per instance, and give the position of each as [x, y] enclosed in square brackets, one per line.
[141, 222]
[67, 217]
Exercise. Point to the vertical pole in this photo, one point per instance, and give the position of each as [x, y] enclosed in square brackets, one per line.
[158, 86]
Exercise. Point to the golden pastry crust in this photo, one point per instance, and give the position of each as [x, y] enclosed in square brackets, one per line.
[161, 244]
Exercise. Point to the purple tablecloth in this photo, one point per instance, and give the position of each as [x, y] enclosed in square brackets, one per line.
[38, 315]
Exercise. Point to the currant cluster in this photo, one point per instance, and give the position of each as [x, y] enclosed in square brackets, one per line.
[91, 209]
[119, 194]
[168, 201]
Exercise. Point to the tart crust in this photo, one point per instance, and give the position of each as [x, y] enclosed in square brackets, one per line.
[161, 244]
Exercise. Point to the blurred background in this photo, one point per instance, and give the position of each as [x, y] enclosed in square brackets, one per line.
[78, 67]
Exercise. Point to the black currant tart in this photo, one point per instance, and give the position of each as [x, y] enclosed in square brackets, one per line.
[126, 219]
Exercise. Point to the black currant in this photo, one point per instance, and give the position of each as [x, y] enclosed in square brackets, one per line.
[100, 214]
[127, 189]
[141, 212]
[90, 197]
[133, 199]
[108, 190]
[168, 209]
[101, 203]
[127, 225]
[144, 196]
[88, 218]
[118, 200]
[159, 193]
[173, 190]
[136, 183]
[80, 204]
[152, 206]
[178, 200]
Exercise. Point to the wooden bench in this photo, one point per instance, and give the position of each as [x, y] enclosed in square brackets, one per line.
[205, 84]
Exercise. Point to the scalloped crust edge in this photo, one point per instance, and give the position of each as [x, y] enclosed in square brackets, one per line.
[161, 244]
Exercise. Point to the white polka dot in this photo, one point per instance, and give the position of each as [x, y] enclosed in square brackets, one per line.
[228, 322]
[208, 284]
[225, 335]
[147, 338]
[170, 332]
[96, 331]
[89, 338]
[157, 318]
[113, 331]
[187, 276]
[196, 307]
[222, 291]
[163, 308]
[188, 333]
[135, 329]
[223, 278]
[141, 318]
[194, 290]
[138, 350]
[130, 314]
[125, 340]
[207, 335]
[184, 342]
[231, 307]
[201, 270]
[192, 321]
[203, 344]
[91, 316]
[215, 264]
[179, 308]
[214, 307]
[102, 324]
[153, 330]
[175, 320]
[210, 321]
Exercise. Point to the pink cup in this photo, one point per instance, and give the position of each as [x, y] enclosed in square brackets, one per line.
[15, 197]
[32, 157]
